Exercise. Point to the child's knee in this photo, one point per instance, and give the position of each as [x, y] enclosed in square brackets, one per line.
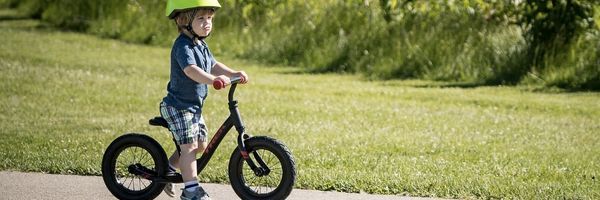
[189, 148]
[194, 147]
[202, 146]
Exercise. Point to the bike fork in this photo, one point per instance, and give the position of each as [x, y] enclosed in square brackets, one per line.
[261, 170]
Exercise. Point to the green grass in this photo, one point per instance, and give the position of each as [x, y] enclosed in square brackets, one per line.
[65, 96]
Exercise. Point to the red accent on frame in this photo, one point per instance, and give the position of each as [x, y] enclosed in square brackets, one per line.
[244, 154]
[211, 145]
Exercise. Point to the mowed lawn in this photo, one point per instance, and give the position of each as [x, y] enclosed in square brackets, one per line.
[65, 96]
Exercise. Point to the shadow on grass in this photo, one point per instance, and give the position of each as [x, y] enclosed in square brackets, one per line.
[5, 17]
[12, 19]
[590, 86]
[453, 85]
[416, 83]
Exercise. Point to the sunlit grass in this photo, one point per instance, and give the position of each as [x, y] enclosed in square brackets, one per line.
[66, 96]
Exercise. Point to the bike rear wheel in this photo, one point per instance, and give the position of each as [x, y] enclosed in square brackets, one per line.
[128, 164]
[278, 166]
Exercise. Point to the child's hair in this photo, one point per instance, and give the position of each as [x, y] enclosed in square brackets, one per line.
[185, 17]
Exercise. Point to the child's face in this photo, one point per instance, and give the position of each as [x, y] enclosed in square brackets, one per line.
[202, 23]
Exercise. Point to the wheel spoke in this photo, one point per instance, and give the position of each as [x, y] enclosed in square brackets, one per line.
[257, 189]
[263, 184]
[146, 158]
[129, 156]
[134, 154]
[139, 154]
[278, 174]
[252, 179]
[145, 186]
[270, 159]
[143, 156]
[130, 182]
[122, 164]
[139, 182]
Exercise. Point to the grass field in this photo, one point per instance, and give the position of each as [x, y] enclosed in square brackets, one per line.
[65, 96]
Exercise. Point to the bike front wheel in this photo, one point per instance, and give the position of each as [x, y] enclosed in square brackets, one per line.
[275, 177]
[128, 165]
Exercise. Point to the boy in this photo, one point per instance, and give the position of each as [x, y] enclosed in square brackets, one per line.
[192, 68]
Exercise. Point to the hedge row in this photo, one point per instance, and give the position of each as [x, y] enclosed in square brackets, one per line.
[553, 43]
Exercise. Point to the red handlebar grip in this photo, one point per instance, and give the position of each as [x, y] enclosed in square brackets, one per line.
[218, 84]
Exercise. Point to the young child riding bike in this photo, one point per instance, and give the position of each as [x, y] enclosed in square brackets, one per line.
[192, 68]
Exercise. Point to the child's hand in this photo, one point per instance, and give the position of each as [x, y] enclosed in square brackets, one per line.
[224, 79]
[244, 77]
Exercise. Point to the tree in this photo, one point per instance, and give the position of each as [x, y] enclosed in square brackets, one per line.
[552, 26]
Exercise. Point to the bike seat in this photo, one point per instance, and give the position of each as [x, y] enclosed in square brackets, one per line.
[159, 121]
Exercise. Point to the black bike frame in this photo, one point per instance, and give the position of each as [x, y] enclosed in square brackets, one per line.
[234, 120]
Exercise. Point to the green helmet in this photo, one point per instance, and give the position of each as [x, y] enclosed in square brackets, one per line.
[174, 6]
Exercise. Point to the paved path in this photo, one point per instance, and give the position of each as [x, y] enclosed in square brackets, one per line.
[18, 185]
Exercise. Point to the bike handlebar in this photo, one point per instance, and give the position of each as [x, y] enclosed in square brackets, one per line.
[219, 84]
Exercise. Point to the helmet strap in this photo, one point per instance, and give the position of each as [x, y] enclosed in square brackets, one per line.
[191, 30]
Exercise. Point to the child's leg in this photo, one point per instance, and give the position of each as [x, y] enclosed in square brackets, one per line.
[190, 133]
[174, 159]
[187, 161]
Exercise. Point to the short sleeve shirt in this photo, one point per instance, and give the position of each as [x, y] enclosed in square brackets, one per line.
[184, 93]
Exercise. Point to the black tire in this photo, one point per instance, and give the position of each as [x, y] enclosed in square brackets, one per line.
[117, 158]
[276, 185]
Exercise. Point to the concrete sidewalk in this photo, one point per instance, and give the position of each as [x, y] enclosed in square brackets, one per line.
[18, 185]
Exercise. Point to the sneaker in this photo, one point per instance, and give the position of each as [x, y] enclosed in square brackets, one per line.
[169, 189]
[199, 194]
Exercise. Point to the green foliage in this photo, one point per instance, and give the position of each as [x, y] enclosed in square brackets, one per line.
[33, 8]
[576, 69]
[8, 3]
[552, 28]
[474, 41]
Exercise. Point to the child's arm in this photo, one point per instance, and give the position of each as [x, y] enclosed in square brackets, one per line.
[222, 69]
[195, 73]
